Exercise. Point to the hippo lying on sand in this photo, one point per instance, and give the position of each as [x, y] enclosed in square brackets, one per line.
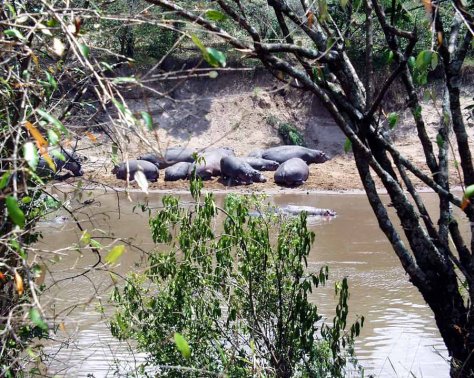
[171, 156]
[71, 163]
[261, 164]
[292, 172]
[149, 169]
[178, 171]
[240, 171]
[212, 164]
[284, 153]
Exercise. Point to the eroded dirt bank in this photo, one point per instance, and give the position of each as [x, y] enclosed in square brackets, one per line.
[239, 110]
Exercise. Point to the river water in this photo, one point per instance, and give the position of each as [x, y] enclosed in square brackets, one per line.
[399, 338]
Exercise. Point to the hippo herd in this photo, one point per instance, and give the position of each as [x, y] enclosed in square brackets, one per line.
[290, 164]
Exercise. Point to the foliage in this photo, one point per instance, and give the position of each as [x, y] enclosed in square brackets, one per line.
[315, 52]
[288, 132]
[237, 301]
[47, 68]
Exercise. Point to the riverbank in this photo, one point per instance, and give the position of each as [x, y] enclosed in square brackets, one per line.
[241, 110]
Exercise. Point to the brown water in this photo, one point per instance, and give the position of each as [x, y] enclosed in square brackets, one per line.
[399, 338]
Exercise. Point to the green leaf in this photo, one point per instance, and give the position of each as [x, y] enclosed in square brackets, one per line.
[4, 180]
[114, 254]
[37, 320]
[323, 10]
[199, 44]
[215, 15]
[343, 3]
[95, 244]
[423, 60]
[182, 345]
[107, 66]
[469, 192]
[52, 22]
[148, 121]
[392, 119]
[53, 120]
[347, 145]
[411, 62]
[14, 33]
[216, 58]
[14, 212]
[390, 56]
[122, 80]
[439, 141]
[53, 138]
[434, 60]
[51, 80]
[85, 50]
[30, 153]
[85, 238]
[213, 74]
[58, 154]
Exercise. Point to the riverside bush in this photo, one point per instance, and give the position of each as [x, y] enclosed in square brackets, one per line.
[231, 296]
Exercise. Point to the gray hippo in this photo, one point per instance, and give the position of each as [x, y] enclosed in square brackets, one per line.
[69, 161]
[150, 170]
[256, 153]
[284, 153]
[311, 211]
[292, 172]
[261, 164]
[294, 210]
[240, 171]
[211, 166]
[171, 156]
[178, 171]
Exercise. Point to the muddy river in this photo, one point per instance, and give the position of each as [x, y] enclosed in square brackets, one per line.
[399, 338]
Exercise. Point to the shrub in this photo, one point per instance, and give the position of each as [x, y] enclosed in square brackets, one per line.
[232, 302]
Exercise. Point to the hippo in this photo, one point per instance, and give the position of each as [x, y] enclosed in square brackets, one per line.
[256, 153]
[240, 171]
[150, 170]
[284, 153]
[171, 156]
[294, 210]
[292, 172]
[178, 171]
[311, 211]
[261, 164]
[211, 166]
[63, 160]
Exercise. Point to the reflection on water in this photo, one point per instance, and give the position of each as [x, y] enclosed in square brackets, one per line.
[399, 338]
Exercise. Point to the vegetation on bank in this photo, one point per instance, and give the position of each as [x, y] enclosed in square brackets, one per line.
[227, 292]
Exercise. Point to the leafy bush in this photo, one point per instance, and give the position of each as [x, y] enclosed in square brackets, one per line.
[235, 301]
[290, 134]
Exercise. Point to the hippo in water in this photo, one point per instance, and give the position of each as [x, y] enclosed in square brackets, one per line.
[294, 210]
[171, 156]
[284, 153]
[240, 171]
[149, 169]
[311, 211]
[211, 166]
[292, 172]
[261, 164]
[178, 171]
[64, 160]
